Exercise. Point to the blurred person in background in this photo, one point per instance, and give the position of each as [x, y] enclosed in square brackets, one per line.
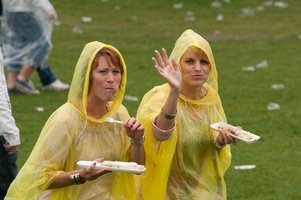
[9, 137]
[186, 159]
[78, 130]
[30, 25]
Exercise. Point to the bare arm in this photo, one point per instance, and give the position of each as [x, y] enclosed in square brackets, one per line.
[64, 179]
[135, 131]
[172, 74]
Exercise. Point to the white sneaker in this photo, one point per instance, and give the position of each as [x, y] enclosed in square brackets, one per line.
[56, 85]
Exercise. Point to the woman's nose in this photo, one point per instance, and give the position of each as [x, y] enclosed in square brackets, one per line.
[110, 77]
[197, 66]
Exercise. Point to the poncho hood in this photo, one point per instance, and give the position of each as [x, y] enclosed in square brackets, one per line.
[79, 88]
[191, 38]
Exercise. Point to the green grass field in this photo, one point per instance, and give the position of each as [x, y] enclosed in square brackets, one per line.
[252, 31]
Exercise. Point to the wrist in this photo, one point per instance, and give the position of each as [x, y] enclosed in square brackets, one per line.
[168, 116]
[138, 143]
[216, 143]
[76, 179]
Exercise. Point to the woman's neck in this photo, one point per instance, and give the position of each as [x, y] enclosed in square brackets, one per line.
[194, 93]
[96, 109]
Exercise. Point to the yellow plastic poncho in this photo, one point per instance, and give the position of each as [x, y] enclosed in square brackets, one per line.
[71, 135]
[188, 165]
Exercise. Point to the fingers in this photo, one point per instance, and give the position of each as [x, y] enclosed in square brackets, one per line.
[225, 138]
[90, 173]
[10, 149]
[157, 66]
[99, 159]
[133, 124]
[165, 56]
[160, 59]
[174, 64]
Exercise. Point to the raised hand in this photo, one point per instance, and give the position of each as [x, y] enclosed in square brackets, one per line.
[170, 72]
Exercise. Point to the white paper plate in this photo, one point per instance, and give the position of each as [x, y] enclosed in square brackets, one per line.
[244, 167]
[114, 166]
[243, 135]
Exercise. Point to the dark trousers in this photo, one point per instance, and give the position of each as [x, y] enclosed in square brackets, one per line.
[8, 168]
[46, 75]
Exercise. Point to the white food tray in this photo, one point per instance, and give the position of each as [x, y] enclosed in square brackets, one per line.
[114, 166]
[239, 133]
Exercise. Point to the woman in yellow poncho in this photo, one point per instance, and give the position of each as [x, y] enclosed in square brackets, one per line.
[186, 159]
[78, 131]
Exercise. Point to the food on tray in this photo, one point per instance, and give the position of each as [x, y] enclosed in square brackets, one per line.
[235, 132]
[117, 166]
[123, 165]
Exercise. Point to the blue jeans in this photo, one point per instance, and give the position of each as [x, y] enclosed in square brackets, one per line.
[29, 42]
[8, 168]
[46, 75]
[28, 39]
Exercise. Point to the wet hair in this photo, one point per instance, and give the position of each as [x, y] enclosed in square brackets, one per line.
[199, 53]
[111, 57]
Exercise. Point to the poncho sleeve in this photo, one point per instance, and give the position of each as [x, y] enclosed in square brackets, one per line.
[158, 159]
[48, 157]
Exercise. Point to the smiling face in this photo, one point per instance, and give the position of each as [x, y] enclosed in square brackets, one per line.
[105, 77]
[195, 68]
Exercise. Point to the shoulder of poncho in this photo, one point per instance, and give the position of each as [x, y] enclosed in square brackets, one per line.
[65, 113]
[158, 91]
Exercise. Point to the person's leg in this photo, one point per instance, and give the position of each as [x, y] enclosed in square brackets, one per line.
[48, 79]
[11, 77]
[37, 49]
[46, 75]
[14, 52]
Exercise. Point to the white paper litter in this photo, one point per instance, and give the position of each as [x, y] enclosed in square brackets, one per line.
[178, 6]
[130, 98]
[220, 17]
[273, 106]
[280, 4]
[87, 19]
[244, 167]
[76, 29]
[189, 16]
[247, 11]
[216, 4]
[277, 86]
[248, 68]
[262, 64]
[40, 109]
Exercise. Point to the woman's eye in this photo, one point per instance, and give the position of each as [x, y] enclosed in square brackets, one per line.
[103, 71]
[204, 62]
[189, 62]
[116, 72]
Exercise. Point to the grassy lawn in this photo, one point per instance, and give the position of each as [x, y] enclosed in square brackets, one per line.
[250, 32]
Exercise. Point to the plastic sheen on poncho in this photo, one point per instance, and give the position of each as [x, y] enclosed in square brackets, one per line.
[188, 165]
[70, 135]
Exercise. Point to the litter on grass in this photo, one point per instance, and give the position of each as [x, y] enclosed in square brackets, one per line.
[77, 30]
[130, 98]
[178, 5]
[220, 17]
[244, 167]
[40, 109]
[277, 86]
[86, 19]
[248, 68]
[189, 16]
[262, 64]
[273, 106]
